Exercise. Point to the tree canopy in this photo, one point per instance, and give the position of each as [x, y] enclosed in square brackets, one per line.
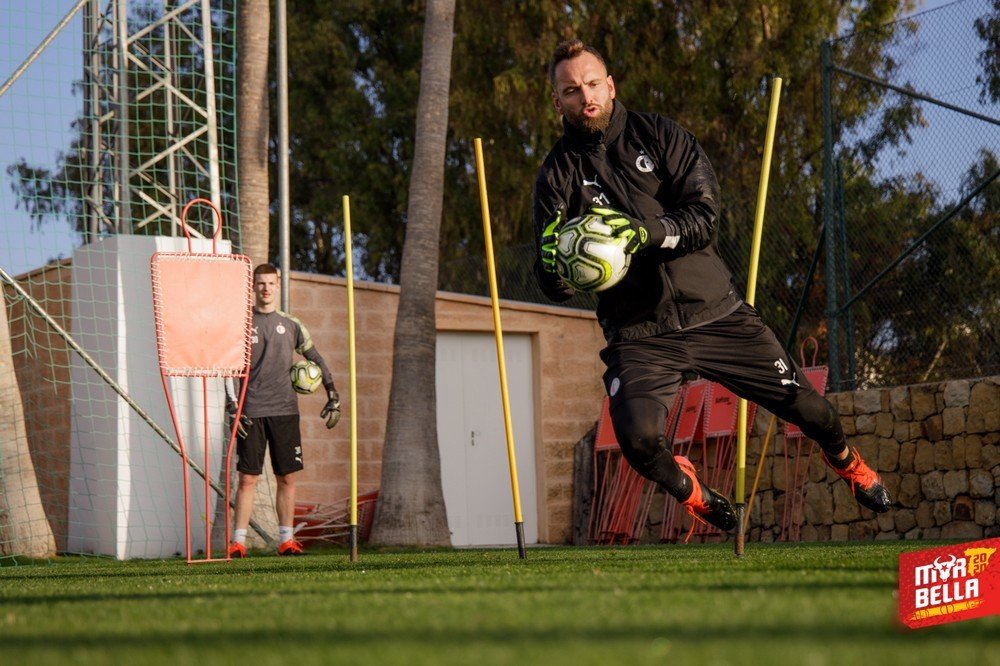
[354, 79]
[708, 65]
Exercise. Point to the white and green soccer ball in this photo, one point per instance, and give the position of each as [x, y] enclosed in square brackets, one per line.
[588, 256]
[306, 377]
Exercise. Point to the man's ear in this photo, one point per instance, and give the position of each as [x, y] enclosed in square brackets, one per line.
[556, 103]
[611, 86]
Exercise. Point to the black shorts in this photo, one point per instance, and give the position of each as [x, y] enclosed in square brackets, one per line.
[283, 436]
[738, 351]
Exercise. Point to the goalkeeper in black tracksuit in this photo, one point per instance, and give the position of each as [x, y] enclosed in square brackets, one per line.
[676, 309]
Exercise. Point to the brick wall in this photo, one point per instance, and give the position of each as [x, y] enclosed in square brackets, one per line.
[567, 385]
[41, 363]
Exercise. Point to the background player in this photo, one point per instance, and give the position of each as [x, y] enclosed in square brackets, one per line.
[270, 415]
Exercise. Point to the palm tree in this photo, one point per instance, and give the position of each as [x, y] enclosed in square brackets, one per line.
[253, 27]
[253, 24]
[411, 510]
[24, 529]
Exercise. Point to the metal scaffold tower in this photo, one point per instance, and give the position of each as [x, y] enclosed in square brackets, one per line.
[152, 139]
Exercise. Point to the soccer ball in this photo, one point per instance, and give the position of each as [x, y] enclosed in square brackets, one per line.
[588, 256]
[306, 377]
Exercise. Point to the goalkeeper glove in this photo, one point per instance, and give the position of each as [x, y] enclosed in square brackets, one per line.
[637, 234]
[331, 412]
[244, 424]
[550, 242]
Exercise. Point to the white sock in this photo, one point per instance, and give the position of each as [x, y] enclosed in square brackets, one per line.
[240, 536]
[285, 533]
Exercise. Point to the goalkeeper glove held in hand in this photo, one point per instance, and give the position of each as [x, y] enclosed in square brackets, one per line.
[331, 412]
[550, 242]
[245, 422]
[637, 233]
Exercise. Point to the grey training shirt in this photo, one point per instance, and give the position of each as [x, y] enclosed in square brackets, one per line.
[274, 338]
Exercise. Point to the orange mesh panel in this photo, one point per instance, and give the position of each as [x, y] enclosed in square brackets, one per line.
[721, 412]
[202, 310]
[689, 424]
[605, 436]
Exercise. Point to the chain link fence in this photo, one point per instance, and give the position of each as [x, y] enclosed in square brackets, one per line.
[912, 255]
[113, 115]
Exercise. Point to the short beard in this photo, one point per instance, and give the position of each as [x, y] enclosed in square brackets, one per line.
[594, 125]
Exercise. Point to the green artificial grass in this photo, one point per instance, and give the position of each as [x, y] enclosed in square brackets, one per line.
[781, 604]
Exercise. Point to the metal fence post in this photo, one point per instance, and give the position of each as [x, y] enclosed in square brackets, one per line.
[833, 329]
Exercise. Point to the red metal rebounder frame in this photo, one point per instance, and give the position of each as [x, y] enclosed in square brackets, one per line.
[623, 497]
[202, 308]
[701, 425]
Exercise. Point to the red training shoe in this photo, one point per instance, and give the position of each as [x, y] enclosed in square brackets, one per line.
[705, 503]
[291, 547]
[865, 484]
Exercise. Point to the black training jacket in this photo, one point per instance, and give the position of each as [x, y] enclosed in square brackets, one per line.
[650, 167]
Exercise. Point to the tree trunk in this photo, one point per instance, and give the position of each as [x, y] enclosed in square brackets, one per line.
[253, 116]
[410, 508]
[253, 23]
[24, 529]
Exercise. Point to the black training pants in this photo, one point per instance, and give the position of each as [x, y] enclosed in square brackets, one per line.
[738, 351]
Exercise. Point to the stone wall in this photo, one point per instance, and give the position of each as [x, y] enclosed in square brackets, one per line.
[936, 447]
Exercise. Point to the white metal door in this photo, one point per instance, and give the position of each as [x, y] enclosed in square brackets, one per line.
[475, 474]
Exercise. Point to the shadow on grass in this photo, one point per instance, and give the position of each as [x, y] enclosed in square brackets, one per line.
[427, 637]
[700, 563]
[235, 594]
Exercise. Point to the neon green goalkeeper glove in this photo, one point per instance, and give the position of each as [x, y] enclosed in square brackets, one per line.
[637, 234]
[550, 242]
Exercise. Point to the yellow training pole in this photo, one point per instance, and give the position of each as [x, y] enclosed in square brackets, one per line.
[353, 378]
[488, 235]
[758, 232]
